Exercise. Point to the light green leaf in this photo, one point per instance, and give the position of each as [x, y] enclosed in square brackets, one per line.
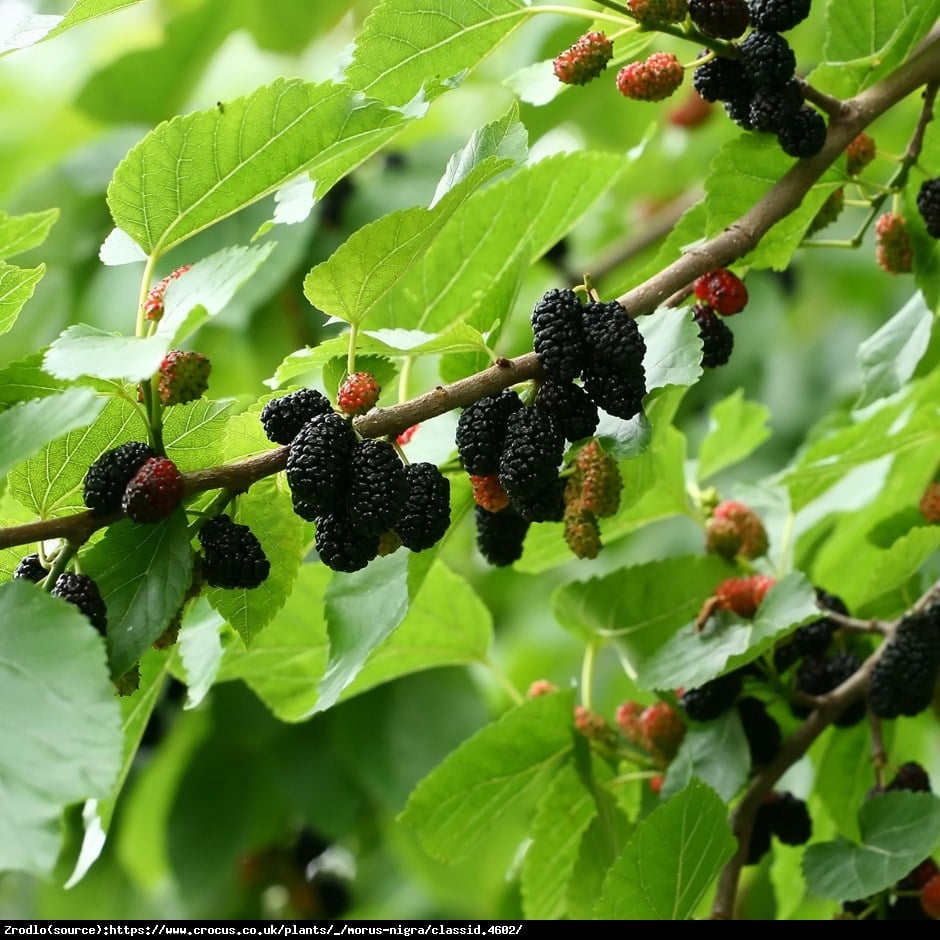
[60, 738]
[16, 287]
[893, 567]
[119, 248]
[424, 640]
[25, 380]
[194, 433]
[736, 429]
[898, 831]
[27, 427]
[505, 139]
[372, 260]
[200, 649]
[673, 348]
[85, 350]
[196, 169]
[143, 572]
[362, 610]
[84, 10]
[843, 774]
[889, 356]
[563, 814]
[266, 510]
[286, 661]
[689, 659]
[389, 64]
[50, 482]
[21, 232]
[715, 752]
[671, 861]
[500, 768]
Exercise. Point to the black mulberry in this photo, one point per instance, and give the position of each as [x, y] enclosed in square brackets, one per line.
[426, 513]
[31, 568]
[108, 476]
[532, 451]
[544, 505]
[767, 59]
[318, 462]
[232, 555]
[82, 591]
[720, 19]
[282, 418]
[481, 429]
[778, 15]
[903, 680]
[788, 817]
[713, 698]
[761, 730]
[559, 334]
[343, 547]
[500, 535]
[720, 78]
[613, 335]
[771, 108]
[804, 134]
[928, 204]
[377, 486]
[619, 391]
[570, 406]
[717, 338]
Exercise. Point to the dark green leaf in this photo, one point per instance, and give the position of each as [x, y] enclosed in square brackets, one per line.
[715, 752]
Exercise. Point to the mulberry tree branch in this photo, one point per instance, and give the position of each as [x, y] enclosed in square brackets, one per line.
[739, 238]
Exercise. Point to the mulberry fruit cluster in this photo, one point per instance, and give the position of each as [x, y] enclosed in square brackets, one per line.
[719, 294]
[928, 204]
[783, 815]
[363, 500]
[893, 250]
[713, 698]
[232, 556]
[904, 678]
[720, 19]
[585, 60]
[653, 79]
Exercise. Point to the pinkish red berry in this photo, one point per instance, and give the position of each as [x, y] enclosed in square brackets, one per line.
[930, 504]
[628, 720]
[358, 393]
[743, 595]
[154, 491]
[584, 60]
[722, 290]
[406, 435]
[930, 898]
[859, 153]
[541, 687]
[652, 80]
[893, 244]
[184, 377]
[153, 305]
[735, 529]
[663, 730]
[488, 492]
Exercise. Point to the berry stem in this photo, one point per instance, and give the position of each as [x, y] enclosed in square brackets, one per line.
[145, 279]
[581, 12]
[587, 673]
[504, 682]
[60, 563]
[351, 349]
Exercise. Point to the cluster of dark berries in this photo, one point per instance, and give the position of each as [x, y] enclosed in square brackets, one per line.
[928, 204]
[782, 815]
[719, 294]
[78, 589]
[905, 676]
[362, 498]
[134, 479]
[232, 556]
[513, 452]
[758, 87]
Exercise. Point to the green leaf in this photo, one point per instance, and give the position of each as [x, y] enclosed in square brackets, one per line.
[423, 640]
[85, 350]
[288, 658]
[898, 831]
[563, 814]
[27, 427]
[889, 356]
[266, 510]
[689, 659]
[716, 752]
[143, 572]
[490, 775]
[904, 558]
[843, 777]
[16, 287]
[194, 433]
[60, 739]
[84, 10]
[237, 155]
[362, 610]
[372, 260]
[25, 380]
[389, 64]
[671, 861]
[673, 348]
[200, 648]
[736, 429]
[19, 233]
[50, 482]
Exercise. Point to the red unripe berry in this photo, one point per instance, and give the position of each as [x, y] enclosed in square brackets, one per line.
[663, 730]
[628, 720]
[743, 596]
[930, 504]
[541, 687]
[722, 290]
[358, 393]
[653, 80]
[930, 898]
[859, 153]
[154, 491]
[488, 492]
[656, 783]
[153, 305]
[406, 435]
[584, 60]
[893, 250]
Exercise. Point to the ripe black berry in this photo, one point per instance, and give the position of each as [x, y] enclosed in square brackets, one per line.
[559, 334]
[903, 680]
[812, 639]
[544, 505]
[532, 451]
[928, 204]
[778, 15]
[318, 462]
[789, 818]
[481, 430]
[613, 335]
[738, 109]
[767, 59]
[500, 535]
[618, 390]
[570, 406]
[232, 555]
[719, 79]
[772, 107]
[717, 338]
[804, 134]
[720, 19]
[31, 569]
[82, 591]
[911, 776]
[426, 514]
[282, 418]
[377, 487]
[108, 476]
[341, 546]
[713, 698]
[761, 730]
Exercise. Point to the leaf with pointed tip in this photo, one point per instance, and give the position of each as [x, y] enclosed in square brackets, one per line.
[736, 429]
[60, 740]
[194, 170]
[671, 861]
[16, 287]
[502, 766]
[389, 64]
[19, 233]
